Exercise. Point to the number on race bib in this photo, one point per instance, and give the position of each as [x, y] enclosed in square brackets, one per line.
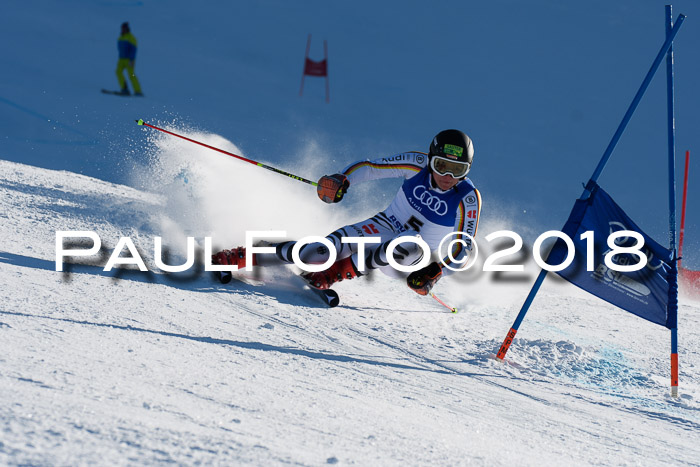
[413, 224]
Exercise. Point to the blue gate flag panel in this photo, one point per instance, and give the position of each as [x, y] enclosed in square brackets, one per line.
[645, 292]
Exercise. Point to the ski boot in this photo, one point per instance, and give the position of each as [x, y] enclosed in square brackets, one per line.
[234, 257]
[342, 269]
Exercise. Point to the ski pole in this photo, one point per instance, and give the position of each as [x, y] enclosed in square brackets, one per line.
[259, 164]
[452, 309]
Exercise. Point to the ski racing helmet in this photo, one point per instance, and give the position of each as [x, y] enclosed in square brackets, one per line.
[451, 152]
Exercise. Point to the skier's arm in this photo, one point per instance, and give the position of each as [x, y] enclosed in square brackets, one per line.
[423, 280]
[466, 221]
[404, 165]
[332, 188]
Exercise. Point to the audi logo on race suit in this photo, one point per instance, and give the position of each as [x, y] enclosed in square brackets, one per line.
[432, 202]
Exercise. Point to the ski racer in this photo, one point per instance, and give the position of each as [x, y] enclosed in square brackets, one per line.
[436, 199]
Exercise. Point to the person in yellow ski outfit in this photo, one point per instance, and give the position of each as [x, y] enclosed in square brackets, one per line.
[127, 57]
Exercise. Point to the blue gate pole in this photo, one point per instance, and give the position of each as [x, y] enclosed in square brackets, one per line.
[633, 106]
[672, 316]
[521, 316]
[599, 169]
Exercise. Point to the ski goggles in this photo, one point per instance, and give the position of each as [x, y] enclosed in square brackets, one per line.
[444, 166]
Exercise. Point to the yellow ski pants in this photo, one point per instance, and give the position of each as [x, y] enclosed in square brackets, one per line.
[125, 63]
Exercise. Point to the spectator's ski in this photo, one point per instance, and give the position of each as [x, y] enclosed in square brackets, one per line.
[116, 93]
[123, 94]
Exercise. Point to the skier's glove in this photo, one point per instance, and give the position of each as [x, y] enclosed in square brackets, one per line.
[423, 280]
[332, 188]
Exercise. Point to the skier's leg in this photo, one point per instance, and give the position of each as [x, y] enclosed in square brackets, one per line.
[134, 80]
[345, 266]
[121, 64]
[310, 253]
[406, 254]
[318, 253]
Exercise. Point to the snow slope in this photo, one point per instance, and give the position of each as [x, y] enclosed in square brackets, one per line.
[117, 368]
[146, 369]
[540, 86]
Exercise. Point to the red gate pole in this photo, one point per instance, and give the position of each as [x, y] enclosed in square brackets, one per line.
[685, 196]
[325, 57]
[314, 68]
[303, 72]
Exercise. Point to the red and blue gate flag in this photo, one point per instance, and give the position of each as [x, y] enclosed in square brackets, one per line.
[644, 293]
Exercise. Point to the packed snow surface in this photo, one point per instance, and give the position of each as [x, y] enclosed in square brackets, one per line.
[126, 367]
[107, 368]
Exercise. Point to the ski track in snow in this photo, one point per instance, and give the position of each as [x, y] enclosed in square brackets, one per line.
[148, 369]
